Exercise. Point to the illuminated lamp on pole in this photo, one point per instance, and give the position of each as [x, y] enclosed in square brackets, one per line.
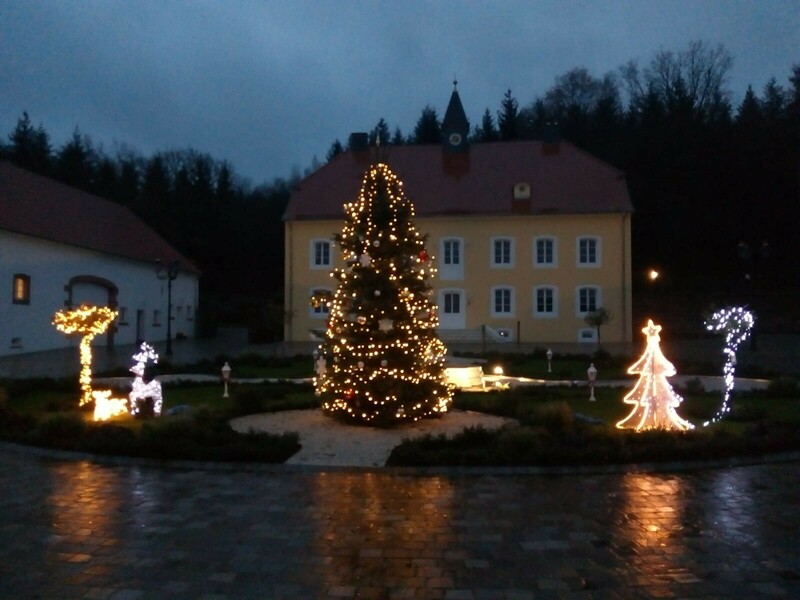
[591, 374]
[168, 274]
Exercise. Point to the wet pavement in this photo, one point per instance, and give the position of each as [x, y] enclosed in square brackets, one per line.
[131, 530]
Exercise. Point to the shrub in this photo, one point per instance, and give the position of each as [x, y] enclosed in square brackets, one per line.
[13, 426]
[64, 431]
[108, 438]
[694, 387]
[784, 387]
[555, 417]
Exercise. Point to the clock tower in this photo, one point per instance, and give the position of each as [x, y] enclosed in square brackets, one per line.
[455, 126]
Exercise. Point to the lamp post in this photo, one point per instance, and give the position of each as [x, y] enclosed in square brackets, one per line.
[226, 377]
[750, 261]
[591, 373]
[168, 274]
[549, 355]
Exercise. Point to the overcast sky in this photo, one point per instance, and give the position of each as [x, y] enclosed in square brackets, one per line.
[267, 85]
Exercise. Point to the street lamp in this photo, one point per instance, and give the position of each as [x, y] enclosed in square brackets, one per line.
[168, 274]
[226, 377]
[750, 261]
[549, 355]
[591, 373]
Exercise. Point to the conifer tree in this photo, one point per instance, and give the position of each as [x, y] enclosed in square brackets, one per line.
[381, 362]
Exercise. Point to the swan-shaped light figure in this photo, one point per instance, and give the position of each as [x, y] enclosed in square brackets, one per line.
[735, 322]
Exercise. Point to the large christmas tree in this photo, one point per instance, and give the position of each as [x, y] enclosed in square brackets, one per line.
[381, 362]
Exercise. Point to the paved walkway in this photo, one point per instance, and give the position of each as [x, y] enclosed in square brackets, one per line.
[326, 442]
[79, 529]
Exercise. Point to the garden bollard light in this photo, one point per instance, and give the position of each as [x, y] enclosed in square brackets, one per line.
[549, 360]
[226, 376]
[591, 372]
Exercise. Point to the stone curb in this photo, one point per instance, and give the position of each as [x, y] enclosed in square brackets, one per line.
[281, 469]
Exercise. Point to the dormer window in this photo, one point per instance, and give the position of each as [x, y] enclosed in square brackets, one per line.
[522, 191]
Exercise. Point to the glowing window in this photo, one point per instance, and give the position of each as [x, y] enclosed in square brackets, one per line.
[21, 293]
[321, 310]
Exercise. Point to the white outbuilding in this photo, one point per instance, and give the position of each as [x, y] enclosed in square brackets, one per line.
[61, 247]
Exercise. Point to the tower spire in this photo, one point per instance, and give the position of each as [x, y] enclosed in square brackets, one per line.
[455, 126]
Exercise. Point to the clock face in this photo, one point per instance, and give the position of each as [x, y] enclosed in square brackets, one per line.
[455, 139]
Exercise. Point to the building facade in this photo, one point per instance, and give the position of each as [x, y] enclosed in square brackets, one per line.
[528, 237]
[61, 247]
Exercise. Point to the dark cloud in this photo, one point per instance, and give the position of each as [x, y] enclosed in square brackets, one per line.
[268, 85]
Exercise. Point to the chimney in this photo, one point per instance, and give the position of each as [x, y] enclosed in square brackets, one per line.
[551, 139]
[358, 142]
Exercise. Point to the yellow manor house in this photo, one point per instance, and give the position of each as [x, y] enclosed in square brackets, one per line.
[528, 236]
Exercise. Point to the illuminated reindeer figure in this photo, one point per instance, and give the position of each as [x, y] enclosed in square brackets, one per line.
[142, 391]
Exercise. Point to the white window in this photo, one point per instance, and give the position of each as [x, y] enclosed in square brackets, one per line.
[587, 335]
[588, 252]
[544, 252]
[502, 252]
[452, 265]
[322, 310]
[587, 299]
[452, 303]
[502, 301]
[122, 315]
[452, 252]
[320, 254]
[545, 301]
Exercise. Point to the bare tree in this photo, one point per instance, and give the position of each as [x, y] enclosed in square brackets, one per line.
[700, 72]
[597, 318]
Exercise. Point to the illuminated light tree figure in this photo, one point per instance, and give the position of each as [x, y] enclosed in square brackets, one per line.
[654, 399]
[736, 323]
[89, 321]
[381, 362]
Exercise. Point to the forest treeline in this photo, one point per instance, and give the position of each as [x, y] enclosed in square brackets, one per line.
[704, 174]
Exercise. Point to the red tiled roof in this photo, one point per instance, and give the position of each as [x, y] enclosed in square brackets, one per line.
[480, 182]
[37, 206]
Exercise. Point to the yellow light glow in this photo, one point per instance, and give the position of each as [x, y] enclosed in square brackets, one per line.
[89, 321]
[498, 370]
[381, 351]
[653, 274]
[106, 407]
[653, 398]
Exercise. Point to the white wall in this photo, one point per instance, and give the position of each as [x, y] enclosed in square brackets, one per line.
[51, 265]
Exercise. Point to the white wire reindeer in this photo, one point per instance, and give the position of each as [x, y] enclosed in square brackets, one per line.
[142, 391]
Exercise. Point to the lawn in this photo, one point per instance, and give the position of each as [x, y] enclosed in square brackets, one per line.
[558, 423]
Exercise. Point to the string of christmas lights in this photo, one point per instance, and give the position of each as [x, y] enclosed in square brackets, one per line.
[381, 361]
[653, 398]
[735, 322]
[89, 321]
